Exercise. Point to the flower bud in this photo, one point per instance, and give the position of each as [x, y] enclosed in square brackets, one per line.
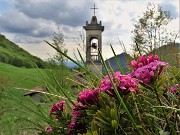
[114, 124]
[113, 114]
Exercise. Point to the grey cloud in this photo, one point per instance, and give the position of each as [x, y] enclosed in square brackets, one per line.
[39, 18]
[60, 11]
[16, 22]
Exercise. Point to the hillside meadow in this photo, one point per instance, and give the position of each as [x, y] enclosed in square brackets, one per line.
[14, 83]
[12, 54]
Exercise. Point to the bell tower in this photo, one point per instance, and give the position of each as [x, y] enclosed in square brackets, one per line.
[93, 42]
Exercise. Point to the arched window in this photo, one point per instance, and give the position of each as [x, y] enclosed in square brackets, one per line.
[94, 49]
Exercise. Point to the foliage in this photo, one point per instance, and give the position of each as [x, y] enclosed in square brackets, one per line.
[56, 65]
[11, 53]
[58, 42]
[151, 31]
[58, 71]
[146, 101]
[143, 102]
[169, 53]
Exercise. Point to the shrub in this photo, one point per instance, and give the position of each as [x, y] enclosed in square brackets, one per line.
[4, 58]
[143, 102]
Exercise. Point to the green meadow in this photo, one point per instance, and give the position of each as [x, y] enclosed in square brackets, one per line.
[19, 77]
[15, 81]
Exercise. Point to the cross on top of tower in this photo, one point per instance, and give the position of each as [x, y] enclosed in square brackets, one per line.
[94, 8]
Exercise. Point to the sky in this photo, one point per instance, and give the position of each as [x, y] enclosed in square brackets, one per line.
[29, 22]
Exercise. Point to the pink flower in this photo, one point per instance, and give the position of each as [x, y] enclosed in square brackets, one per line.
[72, 126]
[143, 60]
[76, 123]
[127, 83]
[124, 83]
[147, 68]
[76, 110]
[49, 129]
[174, 89]
[134, 64]
[57, 107]
[152, 58]
[88, 97]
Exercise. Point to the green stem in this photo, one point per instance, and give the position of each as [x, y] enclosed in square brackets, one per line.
[117, 61]
[160, 103]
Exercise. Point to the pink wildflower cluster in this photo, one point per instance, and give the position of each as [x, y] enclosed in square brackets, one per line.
[56, 110]
[57, 107]
[124, 83]
[76, 122]
[143, 60]
[147, 68]
[88, 97]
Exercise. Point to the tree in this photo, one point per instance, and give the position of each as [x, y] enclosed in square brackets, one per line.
[150, 31]
[59, 59]
[80, 42]
[58, 42]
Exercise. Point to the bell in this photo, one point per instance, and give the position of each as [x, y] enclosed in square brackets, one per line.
[94, 45]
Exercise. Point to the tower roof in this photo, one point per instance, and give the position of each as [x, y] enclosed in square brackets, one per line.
[94, 25]
[94, 20]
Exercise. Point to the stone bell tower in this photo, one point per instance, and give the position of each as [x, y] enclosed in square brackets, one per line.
[93, 42]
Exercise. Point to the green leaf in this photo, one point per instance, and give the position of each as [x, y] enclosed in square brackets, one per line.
[161, 82]
[167, 107]
[102, 121]
[147, 114]
[162, 132]
[95, 133]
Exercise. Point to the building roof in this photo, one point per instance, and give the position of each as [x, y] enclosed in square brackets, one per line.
[94, 20]
[34, 91]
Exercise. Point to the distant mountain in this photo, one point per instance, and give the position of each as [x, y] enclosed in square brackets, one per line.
[71, 64]
[123, 60]
[11, 53]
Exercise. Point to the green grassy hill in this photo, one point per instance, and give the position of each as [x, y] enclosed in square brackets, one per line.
[169, 53]
[15, 81]
[12, 54]
[12, 77]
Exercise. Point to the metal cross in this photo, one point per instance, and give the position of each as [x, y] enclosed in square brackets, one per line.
[94, 9]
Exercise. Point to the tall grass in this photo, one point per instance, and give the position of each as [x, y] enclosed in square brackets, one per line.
[114, 104]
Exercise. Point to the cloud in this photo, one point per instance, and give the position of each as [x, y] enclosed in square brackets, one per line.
[16, 22]
[64, 12]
